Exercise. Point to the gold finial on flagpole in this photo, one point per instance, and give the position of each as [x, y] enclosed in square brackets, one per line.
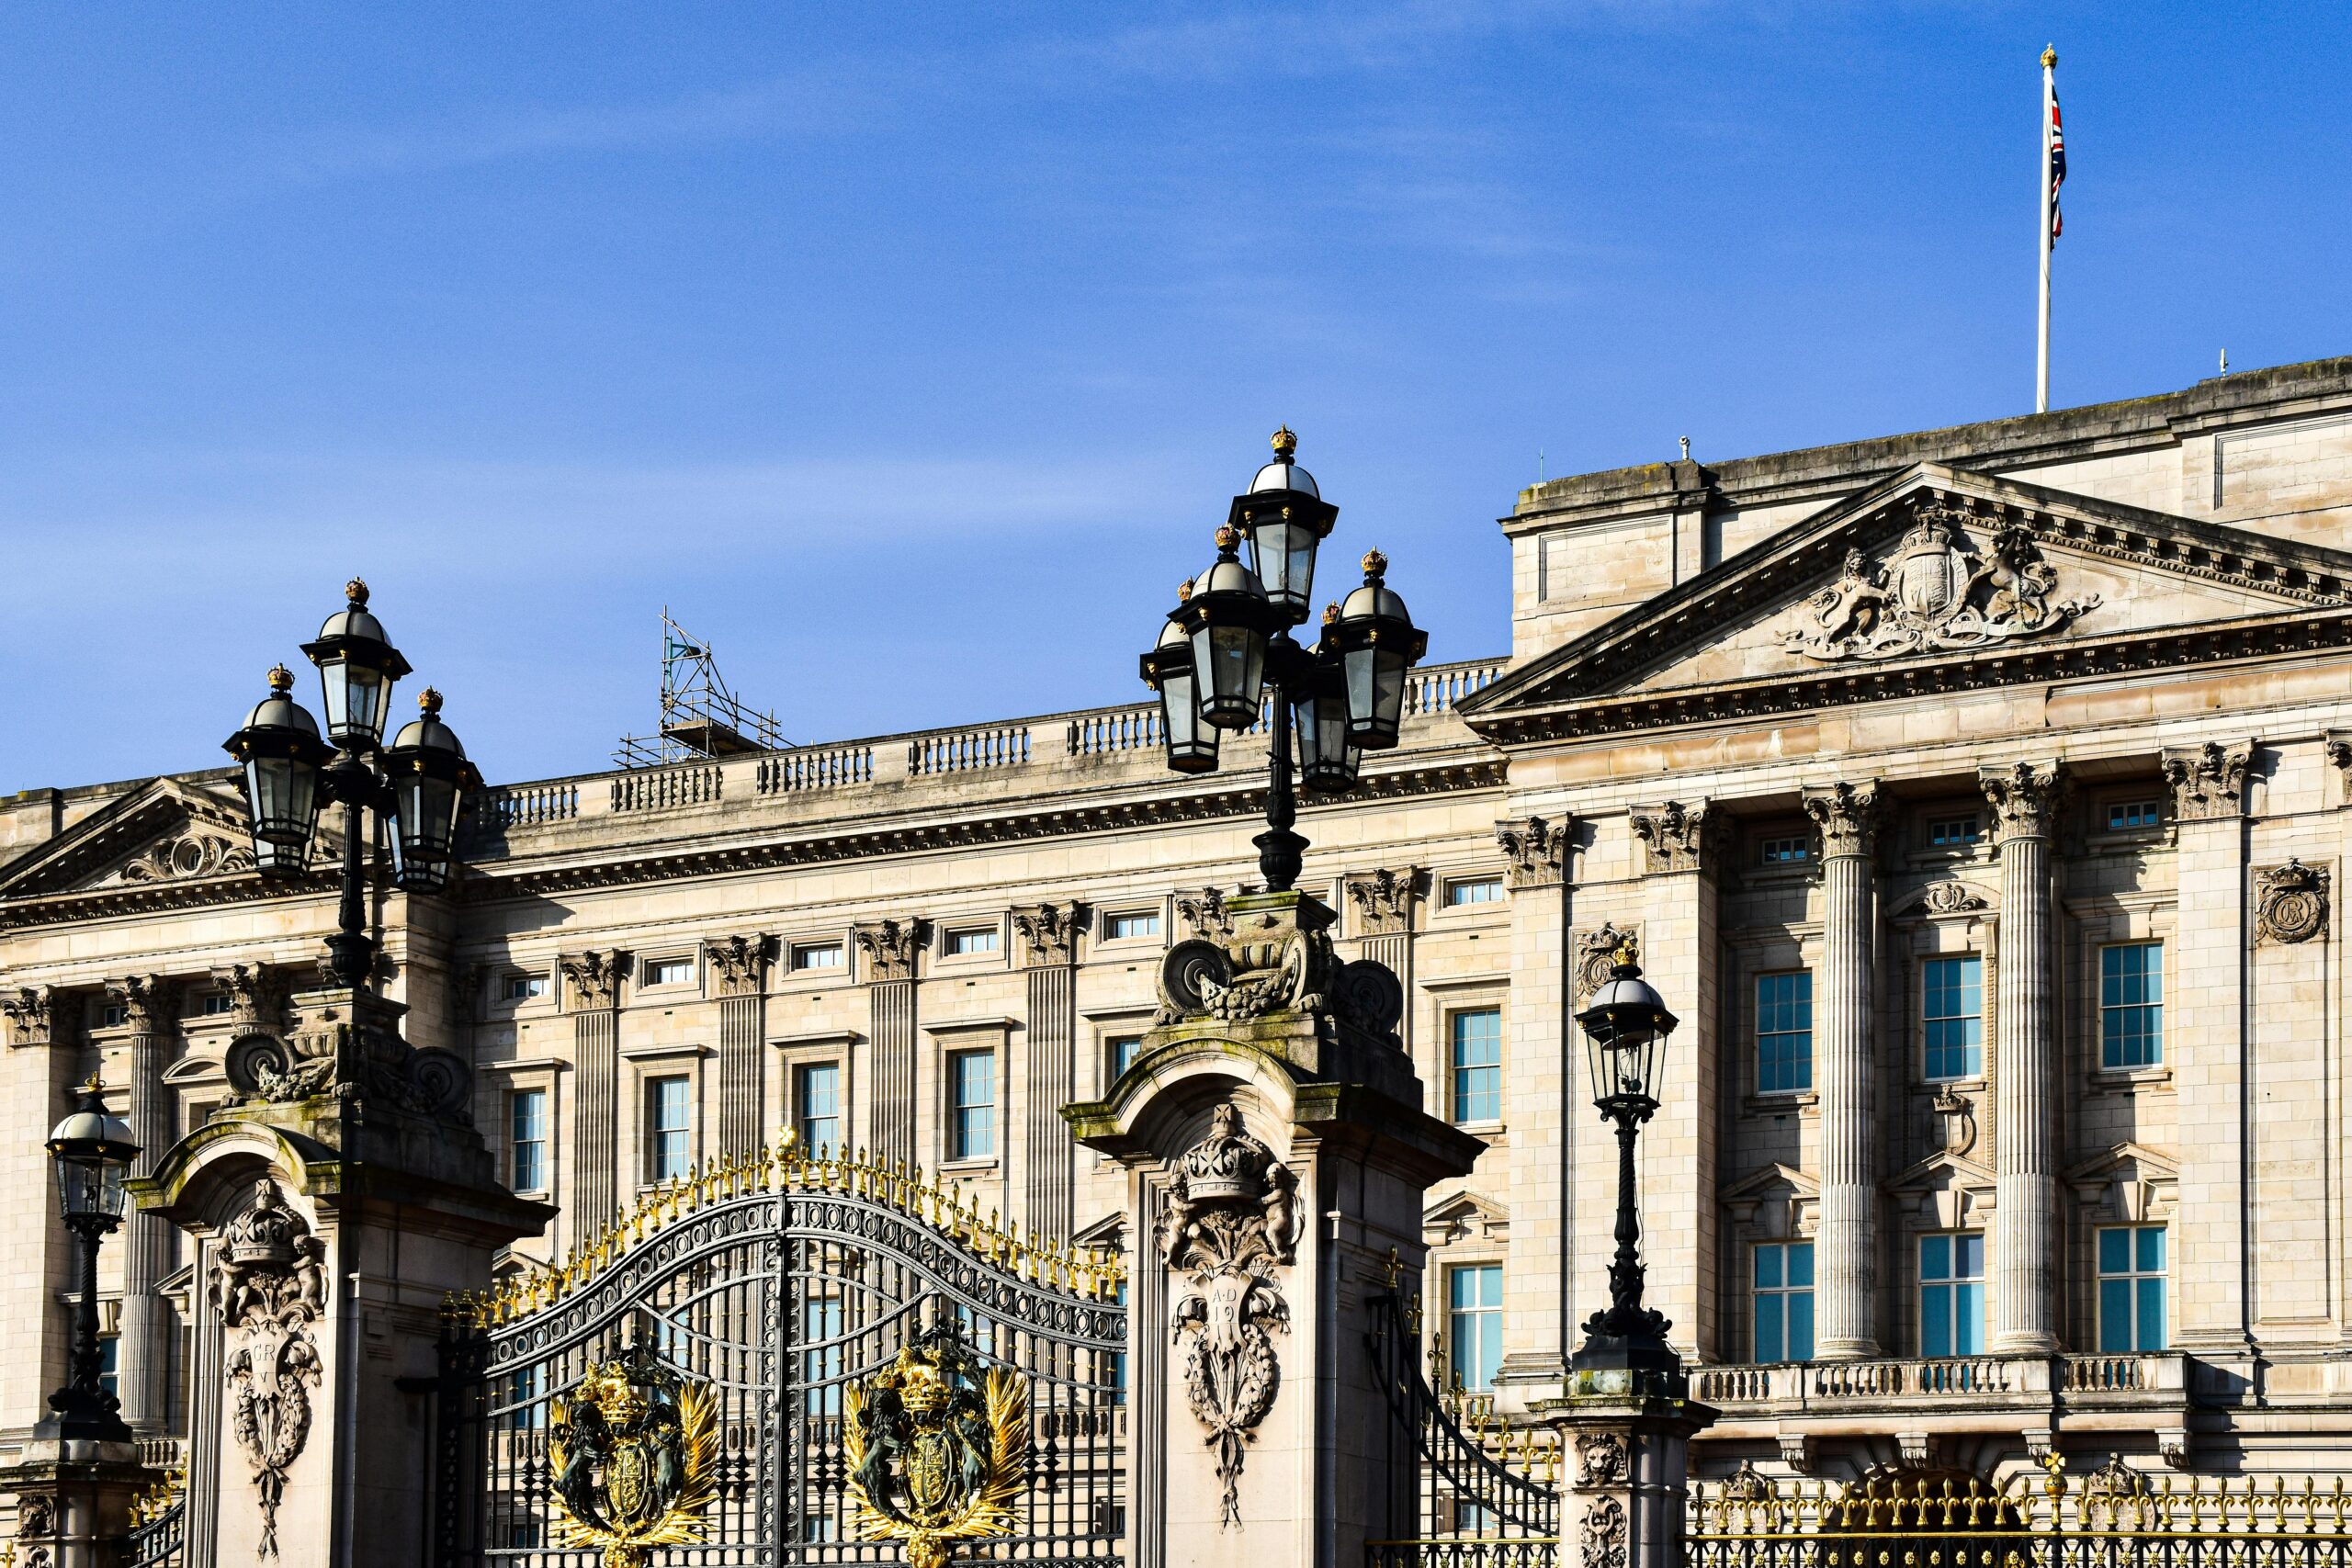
[2049, 56]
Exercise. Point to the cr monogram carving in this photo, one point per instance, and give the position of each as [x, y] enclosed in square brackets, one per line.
[1535, 851]
[890, 946]
[1936, 593]
[2208, 781]
[1232, 1218]
[1596, 954]
[268, 1286]
[1048, 932]
[1672, 835]
[740, 963]
[2290, 902]
[1385, 899]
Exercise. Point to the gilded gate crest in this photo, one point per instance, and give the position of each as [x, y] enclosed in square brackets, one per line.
[633, 1447]
[938, 1447]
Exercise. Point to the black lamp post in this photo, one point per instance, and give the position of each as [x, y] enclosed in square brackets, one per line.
[1625, 1030]
[92, 1152]
[418, 783]
[1229, 639]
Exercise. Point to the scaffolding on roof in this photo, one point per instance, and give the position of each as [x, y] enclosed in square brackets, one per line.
[700, 716]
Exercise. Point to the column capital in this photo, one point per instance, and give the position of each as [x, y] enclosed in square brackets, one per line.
[595, 977]
[740, 963]
[1674, 837]
[891, 945]
[1536, 849]
[1204, 914]
[2208, 781]
[1385, 899]
[1048, 932]
[1848, 816]
[150, 1002]
[37, 1015]
[256, 995]
[2027, 797]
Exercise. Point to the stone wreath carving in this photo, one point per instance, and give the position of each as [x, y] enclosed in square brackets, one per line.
[2290, 902]
[1603, 1536]
[1601, 1460]
[1232, 1219]
[269, 1285]
[1936, 593]
[1597, 954]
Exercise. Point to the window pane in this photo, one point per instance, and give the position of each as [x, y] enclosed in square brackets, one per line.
[1477, 1054]
[1968, 1320]
[1772, 1330]
[1934, 1321]
[2152, 1314]
[817, 1104]
[1480, 890]
[1784, 1033]
[1473, 1322]
[1768, 1268]
[972, 1089]
[2131, 1026]
[1935, 1258]
[2114, 1251]
[2115, 1322]
[1800, 1325]
[1953, 1016]
[2152, 1250]
[666, 1128]
[1801, 1263]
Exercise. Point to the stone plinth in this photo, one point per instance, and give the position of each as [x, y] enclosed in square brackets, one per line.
[1278, 1157]
[73, 1501]
[1625, 1446]
[327, 1227]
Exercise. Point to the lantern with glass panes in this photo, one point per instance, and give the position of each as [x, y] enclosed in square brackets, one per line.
[92, 1153]
[1226, 657]
[417, 787]
[1625, 1026]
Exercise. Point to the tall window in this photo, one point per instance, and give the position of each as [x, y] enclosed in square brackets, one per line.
[2131, 1289]
[1119, 1053]
[665, 1128]
[2131, 1005]
[1477, 1071]
[527, 1146]
[1951, 1295]
[1473, 1322]
[1783, 1302]
[971, 1091]
[1954, 1016]
[817, 1105]
[1784, 1031]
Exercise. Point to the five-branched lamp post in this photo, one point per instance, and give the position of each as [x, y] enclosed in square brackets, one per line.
[418, 783]
[1625, 1031]
[1229, 639]
[92, 1152]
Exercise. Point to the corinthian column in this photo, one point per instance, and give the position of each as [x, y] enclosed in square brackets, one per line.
[1846, 1261]
[151, 1006]
[2027, 799]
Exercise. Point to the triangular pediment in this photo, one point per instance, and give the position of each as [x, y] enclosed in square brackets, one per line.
[1467, 1215]
[1939, 578]
[165, 831]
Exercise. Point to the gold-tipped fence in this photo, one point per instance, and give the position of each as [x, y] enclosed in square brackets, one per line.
[785, 1166]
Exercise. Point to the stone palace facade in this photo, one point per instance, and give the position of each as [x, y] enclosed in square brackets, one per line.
[1976, 796]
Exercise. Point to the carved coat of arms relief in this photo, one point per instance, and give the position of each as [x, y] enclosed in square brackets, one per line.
[1937, 591]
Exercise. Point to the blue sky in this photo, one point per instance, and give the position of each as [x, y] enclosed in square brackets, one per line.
[910, 354]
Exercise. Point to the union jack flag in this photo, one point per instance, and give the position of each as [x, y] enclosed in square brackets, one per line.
[2057, 167]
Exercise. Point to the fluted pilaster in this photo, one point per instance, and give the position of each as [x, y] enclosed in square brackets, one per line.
[2026, 799]
[1846, 1261]
[595, 979]
[151, 1008]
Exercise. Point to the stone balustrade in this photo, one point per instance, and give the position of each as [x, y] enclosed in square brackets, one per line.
[1129, 732]
[1841, 1387]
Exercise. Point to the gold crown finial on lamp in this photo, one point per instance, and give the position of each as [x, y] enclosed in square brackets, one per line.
[94, 1084]
[1331, 614]
[281, 679]
[1184, 591]
[356, 591]
[1374, 563]
[1228, 538]
[429, 700]
[1285, 443]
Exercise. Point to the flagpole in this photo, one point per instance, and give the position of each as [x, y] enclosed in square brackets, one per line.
[2049, 198]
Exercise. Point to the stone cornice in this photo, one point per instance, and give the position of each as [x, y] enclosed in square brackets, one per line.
[2170, 647]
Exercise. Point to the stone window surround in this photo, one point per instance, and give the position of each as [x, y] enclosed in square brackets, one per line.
[839, 1048]
[1747, 1225]
[2098, 924]
[532, 1072]
[641, 1065]
[1441, 881]
[536, 1081]
[1158, 910]
[1974, 932]
[2094, 1206]
[951, 1039]
[1752, 951]
[1453, 994]
[1455, 1006]
[504, 975]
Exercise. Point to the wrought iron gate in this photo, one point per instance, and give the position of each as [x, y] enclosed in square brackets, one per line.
[777, 1288]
